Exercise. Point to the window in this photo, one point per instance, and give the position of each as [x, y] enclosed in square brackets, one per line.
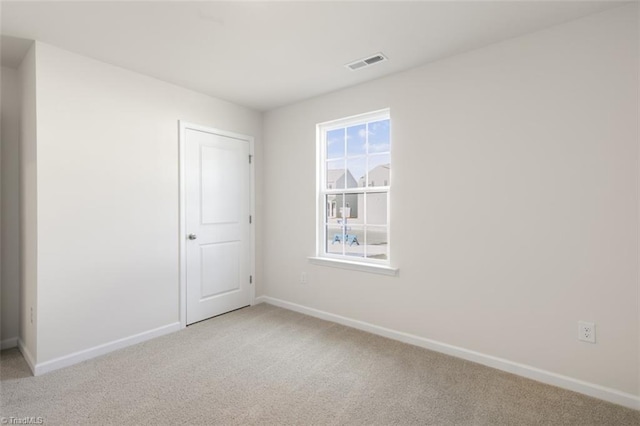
[354, 165]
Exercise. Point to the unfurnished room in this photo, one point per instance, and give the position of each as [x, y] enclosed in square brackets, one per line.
[320, 212]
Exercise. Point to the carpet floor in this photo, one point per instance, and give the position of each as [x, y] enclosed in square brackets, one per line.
[266, 365]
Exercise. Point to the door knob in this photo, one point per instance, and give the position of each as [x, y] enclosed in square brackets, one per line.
[192, 236]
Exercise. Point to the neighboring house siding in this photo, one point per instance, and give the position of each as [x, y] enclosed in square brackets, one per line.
[378, 176]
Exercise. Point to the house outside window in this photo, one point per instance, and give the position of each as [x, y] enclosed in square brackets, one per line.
[354, 180]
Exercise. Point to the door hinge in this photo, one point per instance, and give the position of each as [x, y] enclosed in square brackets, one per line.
[250, 279]
[250, 219]
[250, 158]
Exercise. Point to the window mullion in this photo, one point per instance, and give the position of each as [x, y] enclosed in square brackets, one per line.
[366, 185]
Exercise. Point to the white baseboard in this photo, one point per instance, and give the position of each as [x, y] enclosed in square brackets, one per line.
[27, 356]
[74, 358]
[9, 343]
[565, 382]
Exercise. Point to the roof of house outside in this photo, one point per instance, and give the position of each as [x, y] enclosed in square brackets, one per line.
[334, 175]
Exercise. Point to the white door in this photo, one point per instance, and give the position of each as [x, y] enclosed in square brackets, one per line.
[217, 208]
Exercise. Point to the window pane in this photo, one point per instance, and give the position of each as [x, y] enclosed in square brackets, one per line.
[377, 208]
[377, 245]
[379, 170]
[379, 136]
[335, 239]
[354, 241]
[341, 206]
[353, 208]
[356, 170]
[356, 140]
[333, 204]
[335, 174]
[335, 143]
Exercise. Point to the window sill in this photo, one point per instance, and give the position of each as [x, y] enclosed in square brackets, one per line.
[354, 266]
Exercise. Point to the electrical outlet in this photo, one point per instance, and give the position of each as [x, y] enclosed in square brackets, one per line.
[586, 331]
[303, 278]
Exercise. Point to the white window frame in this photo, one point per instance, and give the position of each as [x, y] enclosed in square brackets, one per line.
[343, 261]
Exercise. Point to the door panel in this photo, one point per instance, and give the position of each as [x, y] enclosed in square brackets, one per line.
[217, 174]
[220, 268]
[220, 197]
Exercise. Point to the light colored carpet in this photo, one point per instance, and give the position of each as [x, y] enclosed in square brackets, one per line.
[266, 365]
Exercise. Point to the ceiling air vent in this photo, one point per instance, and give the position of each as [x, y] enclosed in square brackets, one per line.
[362, 63]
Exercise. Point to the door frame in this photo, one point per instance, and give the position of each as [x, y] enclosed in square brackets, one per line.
[183, 126]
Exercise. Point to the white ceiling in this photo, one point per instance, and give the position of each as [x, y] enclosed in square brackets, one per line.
[268, 54]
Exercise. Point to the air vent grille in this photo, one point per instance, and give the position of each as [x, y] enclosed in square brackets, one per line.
[372, 60]
[362, 63]
[358, 65]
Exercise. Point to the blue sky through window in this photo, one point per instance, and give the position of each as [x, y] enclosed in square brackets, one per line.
[335, 143]
[379, 136]
[357, 140]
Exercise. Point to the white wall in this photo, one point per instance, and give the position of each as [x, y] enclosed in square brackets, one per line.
[28, 208]
[10, 206]
[108, 194]
[514, 204]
